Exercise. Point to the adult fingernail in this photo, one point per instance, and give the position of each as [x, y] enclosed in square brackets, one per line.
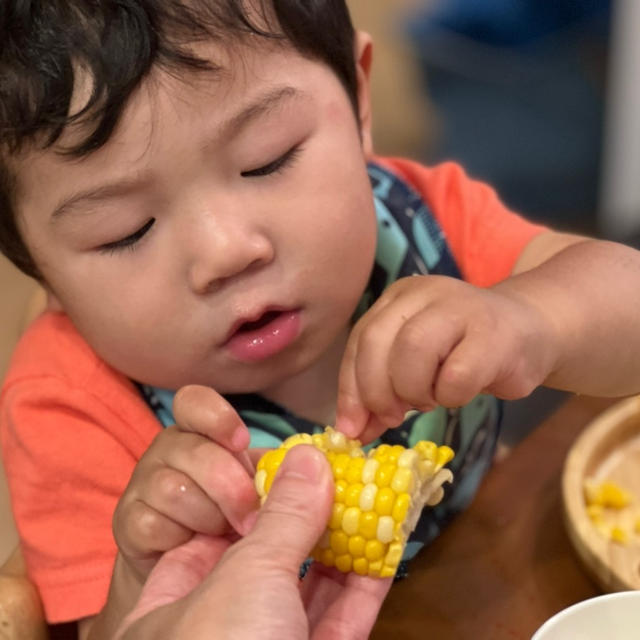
[304, 464]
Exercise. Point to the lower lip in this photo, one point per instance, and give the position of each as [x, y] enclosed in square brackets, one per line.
[267, 341]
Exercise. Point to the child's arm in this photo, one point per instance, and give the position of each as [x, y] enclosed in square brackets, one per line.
[591, 290]
[568, 317]
[194, 478]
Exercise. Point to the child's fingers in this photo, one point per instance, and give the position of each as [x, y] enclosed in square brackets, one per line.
[177, 496]
[143, 533]
[373, 429]
[351, 415]
[203, 410]
[421, 345]
[469, 369]
[217, 472]
[371, 362]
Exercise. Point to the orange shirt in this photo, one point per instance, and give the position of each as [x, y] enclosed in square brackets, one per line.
[72, 428]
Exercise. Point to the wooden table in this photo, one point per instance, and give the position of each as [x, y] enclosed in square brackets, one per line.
[506, 564]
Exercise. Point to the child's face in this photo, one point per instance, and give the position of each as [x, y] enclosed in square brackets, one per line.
[220, 200]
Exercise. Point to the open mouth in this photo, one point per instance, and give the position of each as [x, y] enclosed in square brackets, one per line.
[262, 321]
[265, 336]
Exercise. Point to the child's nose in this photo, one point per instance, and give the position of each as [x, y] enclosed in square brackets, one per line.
[227, 255]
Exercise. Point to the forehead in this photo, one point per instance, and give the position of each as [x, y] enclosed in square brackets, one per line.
[248, 79]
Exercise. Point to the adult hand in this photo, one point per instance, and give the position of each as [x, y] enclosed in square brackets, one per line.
[212, 588]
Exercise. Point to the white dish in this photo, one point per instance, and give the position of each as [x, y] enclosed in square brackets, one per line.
[614, 616]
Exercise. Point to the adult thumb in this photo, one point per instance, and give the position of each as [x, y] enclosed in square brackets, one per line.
[297, 508]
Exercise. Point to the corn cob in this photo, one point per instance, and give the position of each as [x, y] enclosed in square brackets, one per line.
[378, 497]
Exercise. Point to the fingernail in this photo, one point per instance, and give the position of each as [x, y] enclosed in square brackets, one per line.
[305, 465]
[346, 426]
[240, 438]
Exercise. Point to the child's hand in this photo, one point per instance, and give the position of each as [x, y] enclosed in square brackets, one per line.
[196, 477]
[434, 340]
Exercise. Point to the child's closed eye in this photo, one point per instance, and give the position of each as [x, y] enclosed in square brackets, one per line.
[276, 166]
[130, 241]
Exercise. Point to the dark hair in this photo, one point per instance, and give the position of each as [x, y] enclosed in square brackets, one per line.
[44, 43]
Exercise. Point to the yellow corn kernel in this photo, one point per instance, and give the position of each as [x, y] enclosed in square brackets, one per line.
[341, 465]
[427, 450]
[606, 494]
[275, 459]
[426, 468]
[341, 490]
[408, 458]
[618, 534]
[444, 455]
[385, 474]
[373, 550]
[344, 562]
[354, 470]
[384, 501]
[356, 546]
[615, 496]
[352, 494]
[361, 566]
[336, 515]
[375, 568]
[369, 470]
[339, 542]
[402, 481]
[368, 497]
[401, 507]
[317, 439]
[384, 533]
[382, 452]
[369, 525]
[637, 526]
[298, 438]
[259, 480]
[378, 497]
[394, 555]
[327, 557]
[351, 521]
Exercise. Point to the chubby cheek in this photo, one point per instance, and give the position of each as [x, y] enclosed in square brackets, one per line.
[128, 326]
[344, 247]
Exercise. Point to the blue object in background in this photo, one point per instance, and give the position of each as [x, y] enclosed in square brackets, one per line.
[519, 105]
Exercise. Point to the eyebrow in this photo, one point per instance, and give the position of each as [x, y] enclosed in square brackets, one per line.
[263, 105]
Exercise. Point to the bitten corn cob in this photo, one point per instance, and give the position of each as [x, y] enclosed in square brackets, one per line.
[378, 497]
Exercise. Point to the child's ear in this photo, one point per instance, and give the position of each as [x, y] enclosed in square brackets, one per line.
[364, 59]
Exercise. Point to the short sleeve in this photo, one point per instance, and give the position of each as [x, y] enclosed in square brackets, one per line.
[66, 471]
[485, 237]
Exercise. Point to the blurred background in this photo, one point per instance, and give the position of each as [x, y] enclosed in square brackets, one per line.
[538, 98]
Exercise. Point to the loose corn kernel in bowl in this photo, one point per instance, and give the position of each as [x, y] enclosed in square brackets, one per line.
[606, 505]
[606, 494]
[378, 497]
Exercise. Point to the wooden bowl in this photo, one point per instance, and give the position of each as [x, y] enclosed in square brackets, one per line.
[608, 449]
